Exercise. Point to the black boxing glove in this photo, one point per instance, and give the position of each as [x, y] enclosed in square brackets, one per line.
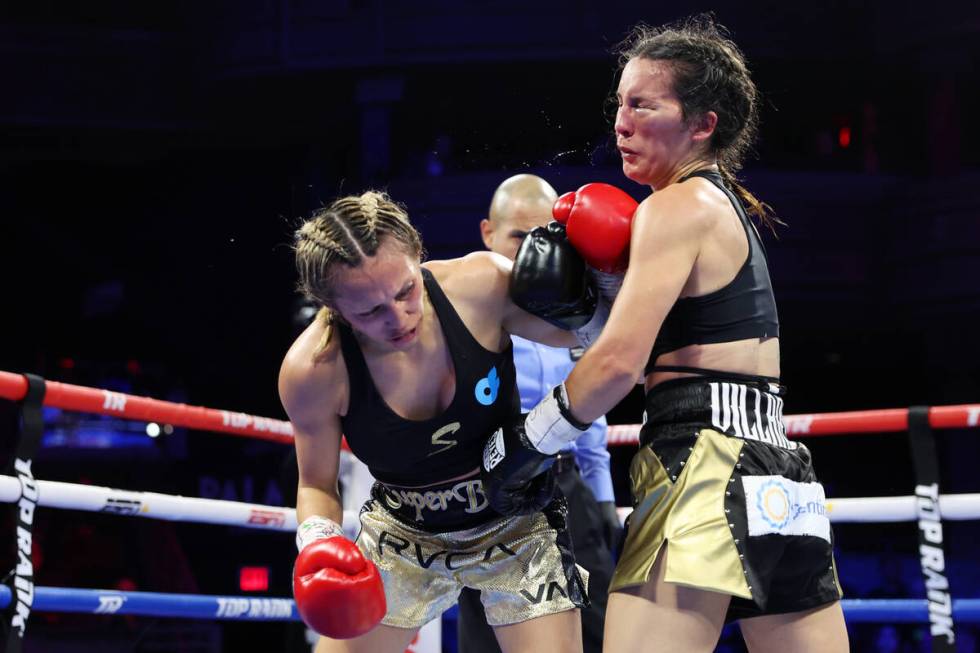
[549, 279]
[517, 459]
[517, 478]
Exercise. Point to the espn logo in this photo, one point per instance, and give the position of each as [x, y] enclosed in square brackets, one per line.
[122, 506]
[271, 518]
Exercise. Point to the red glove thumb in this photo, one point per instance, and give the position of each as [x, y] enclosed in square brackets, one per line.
[563, 207]
[599, 217]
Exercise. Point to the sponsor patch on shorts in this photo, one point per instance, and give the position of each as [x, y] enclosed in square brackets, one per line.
[777, 505]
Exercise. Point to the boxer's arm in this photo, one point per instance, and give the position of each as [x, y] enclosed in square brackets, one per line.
[478, 286]
[308, 389]
[668, 229]
[338, 592]
[521, 323]
[516, 320]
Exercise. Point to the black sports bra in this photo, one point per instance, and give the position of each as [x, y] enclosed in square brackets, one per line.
[745, 308]
[406, 452]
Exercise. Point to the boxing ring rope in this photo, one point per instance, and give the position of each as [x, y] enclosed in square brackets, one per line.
[240, 608]
[71, 496]
[175, 508]
[155, 604]
[106, 402]
[889, 420]
[91, 498]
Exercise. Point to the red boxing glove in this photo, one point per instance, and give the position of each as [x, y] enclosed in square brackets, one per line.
[598, 218]
[338, 592]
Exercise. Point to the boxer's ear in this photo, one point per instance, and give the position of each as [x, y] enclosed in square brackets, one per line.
[703, 126]
[486, 232]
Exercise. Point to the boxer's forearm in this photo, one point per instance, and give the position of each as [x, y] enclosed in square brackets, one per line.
[599, 381]
[610, 367]
[312, 501]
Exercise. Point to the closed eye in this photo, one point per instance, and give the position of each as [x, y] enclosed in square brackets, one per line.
[634, 102]
[406, 291]
[401, 296]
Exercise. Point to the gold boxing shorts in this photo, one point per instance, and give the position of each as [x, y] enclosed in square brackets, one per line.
[737, 505]
[523, 566]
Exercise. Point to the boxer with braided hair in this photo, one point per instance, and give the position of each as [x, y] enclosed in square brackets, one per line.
[413, 363]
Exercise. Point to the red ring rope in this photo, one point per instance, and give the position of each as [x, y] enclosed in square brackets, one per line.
[106, 402]
[888, 420]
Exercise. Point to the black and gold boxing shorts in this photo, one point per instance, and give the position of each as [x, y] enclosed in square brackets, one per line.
[523, 566]
[737, 505]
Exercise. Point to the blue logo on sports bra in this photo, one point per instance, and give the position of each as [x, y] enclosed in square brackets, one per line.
[487, 387]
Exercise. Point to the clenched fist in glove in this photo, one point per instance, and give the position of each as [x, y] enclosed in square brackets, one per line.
[517, 459]
[338, 592]
[549, 279]
[598, 218]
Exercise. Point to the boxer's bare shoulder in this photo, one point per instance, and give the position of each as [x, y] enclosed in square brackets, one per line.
[476, 284]
[314, 363]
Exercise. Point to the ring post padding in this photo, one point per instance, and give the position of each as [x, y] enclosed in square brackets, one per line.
[932, 554]
[20, 580]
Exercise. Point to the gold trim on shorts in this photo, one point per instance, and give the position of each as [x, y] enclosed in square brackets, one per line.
[515, 562]
[688, 513]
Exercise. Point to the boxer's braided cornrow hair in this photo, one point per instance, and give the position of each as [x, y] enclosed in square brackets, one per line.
[710, 74]
[348, 230]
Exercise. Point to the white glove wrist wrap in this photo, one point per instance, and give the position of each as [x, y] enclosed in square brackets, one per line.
[315, 528]
[546, 427]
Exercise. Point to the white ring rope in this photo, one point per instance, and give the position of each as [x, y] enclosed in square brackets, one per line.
[881, 510]
[91, 498]
[878, 510]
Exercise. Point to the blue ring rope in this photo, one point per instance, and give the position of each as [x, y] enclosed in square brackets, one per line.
[192, 606]
[252, 608]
